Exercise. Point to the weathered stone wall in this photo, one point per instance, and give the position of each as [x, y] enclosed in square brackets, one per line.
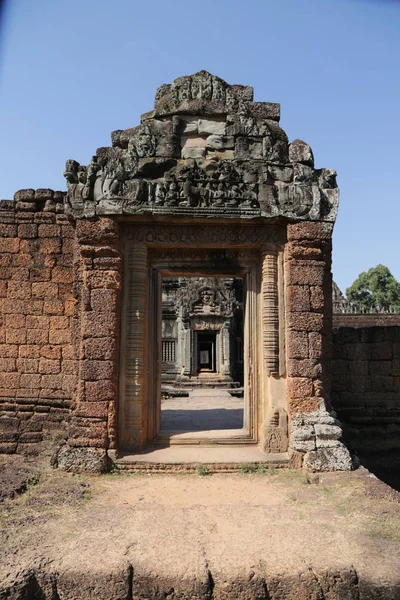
[98, 284]
[37, 366]
[366, 389]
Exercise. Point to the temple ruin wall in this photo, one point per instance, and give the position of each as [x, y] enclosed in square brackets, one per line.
[37, 361]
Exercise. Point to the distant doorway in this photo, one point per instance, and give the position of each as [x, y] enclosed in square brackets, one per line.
[206, 351]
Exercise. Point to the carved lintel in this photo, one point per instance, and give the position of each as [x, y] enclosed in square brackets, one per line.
[270, 312]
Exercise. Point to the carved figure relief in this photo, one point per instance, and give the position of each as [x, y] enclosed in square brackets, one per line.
[222, 172]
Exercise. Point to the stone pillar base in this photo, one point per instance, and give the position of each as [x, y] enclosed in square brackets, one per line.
[317, 435]
[82, 460]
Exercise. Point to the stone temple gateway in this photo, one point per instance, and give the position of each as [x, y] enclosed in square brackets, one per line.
[207, 186]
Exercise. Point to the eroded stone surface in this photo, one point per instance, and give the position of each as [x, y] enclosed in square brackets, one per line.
[154, 168]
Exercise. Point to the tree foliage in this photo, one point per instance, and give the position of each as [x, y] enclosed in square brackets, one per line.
[374, 290]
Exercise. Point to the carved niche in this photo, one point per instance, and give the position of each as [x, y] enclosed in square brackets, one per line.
[207, 149]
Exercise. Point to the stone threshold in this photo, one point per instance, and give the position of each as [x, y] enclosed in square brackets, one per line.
[189, 459]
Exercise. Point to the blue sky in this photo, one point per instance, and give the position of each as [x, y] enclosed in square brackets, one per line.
[72, 72]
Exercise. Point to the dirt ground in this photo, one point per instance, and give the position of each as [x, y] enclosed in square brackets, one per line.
[196, 535]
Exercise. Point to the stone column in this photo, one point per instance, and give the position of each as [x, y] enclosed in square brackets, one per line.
[225, 351]
[132, 414]
[314, 431]
[274, 430]
[186, 337]
[270, 312]
[96, 342]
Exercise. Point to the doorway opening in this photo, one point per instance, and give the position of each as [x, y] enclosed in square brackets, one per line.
[202, 328]
[206, 351]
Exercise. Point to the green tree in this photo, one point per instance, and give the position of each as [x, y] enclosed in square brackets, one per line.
[375, 289]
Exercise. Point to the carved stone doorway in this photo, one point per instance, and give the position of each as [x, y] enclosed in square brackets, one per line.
[153, 252]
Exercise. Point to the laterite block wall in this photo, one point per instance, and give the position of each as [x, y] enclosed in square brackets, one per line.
[37, 366]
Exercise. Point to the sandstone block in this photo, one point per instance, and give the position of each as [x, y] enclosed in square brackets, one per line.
[69, 367]
[193, 142]
[103, 300]
[50, 383]
[37, 336]
[28, 365]
[30, 437]
[8, 447]
[298, 298]
[300, 387]
[9, 231]
[49, 230]
[306, 272]
[16, 336]
[97, 391]
[315, 344]
[50, 352]
[94, 370]
[97, 410]
[310, 322]
[8, 365]
[247, 147]
[328, 459]
[221, 154]
[297, 344]
[304, 405]
[317, 298]
[8, 351]
[9, 245]
[9, 380]
[48, 366]
[104, 279]
[304, 368]
[302, 251]
[50, 245]
[96, 324]
[37, 322]
[30, 381]
[8, 436]
[220, 142]
[84, 460]
[100, 348]
[68, 352]
[68, 383]
[193, 152]
[300, 152]
[60, 336]
[59, 322]
[9, 424]
[332, 432]
[18, 290]
[40, 274]
[62, 275]
[212, 126]
[28, 230]
[44, 290]
[15, 321]
[309, 230]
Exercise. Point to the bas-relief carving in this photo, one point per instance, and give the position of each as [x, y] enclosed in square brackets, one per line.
[275, 431]
[242, 165]
[227, 235]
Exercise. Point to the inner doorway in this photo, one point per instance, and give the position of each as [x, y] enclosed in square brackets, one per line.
[202, 383]
[206, 352]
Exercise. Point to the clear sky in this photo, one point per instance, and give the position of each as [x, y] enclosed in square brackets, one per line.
[72, 72]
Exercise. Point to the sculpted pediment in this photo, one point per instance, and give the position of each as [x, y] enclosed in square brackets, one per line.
[207, 149]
